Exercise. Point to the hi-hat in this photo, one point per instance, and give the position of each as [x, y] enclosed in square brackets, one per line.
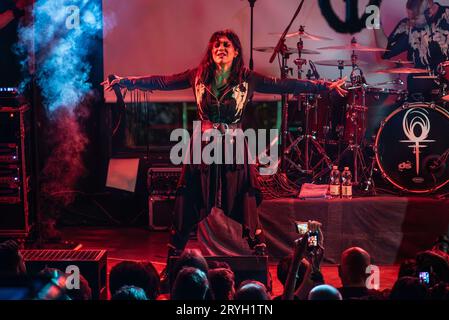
[289, 50]
[303, 35]
[355, 47]
[338, 63]
[401, 71]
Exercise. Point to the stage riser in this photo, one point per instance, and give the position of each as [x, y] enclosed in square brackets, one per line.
[389, 228]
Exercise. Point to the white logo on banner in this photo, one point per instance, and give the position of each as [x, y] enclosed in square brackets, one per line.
[416, 122]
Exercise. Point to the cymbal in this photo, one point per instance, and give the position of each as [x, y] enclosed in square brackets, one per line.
[337, 63]
[445, 98]
[399, 62]
[397, 82]
[426, 77]
[303, 34]
[289, 50]
[403, 70]
[354, 47]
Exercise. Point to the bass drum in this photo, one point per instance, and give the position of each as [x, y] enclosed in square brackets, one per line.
[412, 148]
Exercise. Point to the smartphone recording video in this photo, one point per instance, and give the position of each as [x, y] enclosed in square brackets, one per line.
[312, 237]
[424, 278]
[312, 240]
[301, 227]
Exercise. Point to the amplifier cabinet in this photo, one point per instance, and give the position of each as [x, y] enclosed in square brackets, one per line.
[163, 181]
[15, 152]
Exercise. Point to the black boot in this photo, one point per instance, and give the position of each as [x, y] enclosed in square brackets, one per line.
[257, 244]
[260, 249]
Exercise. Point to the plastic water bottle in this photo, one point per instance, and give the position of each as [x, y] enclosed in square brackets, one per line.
[334, 183]
[346, 184]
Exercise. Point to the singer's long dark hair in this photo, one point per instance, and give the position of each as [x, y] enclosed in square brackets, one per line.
[207, 67]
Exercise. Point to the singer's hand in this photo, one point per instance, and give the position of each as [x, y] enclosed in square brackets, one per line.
[110, 84]
[338, 86]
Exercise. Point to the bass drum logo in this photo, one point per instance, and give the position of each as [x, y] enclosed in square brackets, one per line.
[416, 126]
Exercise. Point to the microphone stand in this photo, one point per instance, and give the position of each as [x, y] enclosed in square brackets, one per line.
[281, 41]
[251, 61]
[280, 49]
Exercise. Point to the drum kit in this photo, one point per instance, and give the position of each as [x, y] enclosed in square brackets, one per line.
[406, 139]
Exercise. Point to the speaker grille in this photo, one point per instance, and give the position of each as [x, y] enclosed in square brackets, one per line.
[62, 255]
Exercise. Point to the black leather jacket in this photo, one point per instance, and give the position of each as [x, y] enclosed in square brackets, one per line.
[229, 107]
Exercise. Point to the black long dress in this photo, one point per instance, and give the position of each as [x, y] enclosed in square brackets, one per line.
[232, 188]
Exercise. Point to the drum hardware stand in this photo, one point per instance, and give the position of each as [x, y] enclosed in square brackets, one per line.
[356, 80]
[354, 147]
[370, 186]
[281, 49]
[300, 62]
[285, 150]
[279, 184]
[309, 139]
[341, 67]
[358, 161]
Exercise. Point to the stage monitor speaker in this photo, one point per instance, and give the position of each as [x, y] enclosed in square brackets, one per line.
[244, 268]
[91, 263]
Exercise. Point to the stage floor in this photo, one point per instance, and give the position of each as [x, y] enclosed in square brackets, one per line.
[141, 244]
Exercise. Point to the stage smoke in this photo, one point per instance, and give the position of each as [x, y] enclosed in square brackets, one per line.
[65, 164]
[61, 37]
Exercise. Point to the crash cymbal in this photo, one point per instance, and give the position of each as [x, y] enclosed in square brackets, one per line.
[445, 98]
[426, 77]
[303, 34]
[354, 47]
[401, 71]
[289, 50]
[397, 82]
[400, 62]
[337, 63]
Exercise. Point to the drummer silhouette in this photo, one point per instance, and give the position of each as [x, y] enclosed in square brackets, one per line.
[422, 36]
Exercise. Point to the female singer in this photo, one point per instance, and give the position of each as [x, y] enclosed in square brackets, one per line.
[222, 87]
